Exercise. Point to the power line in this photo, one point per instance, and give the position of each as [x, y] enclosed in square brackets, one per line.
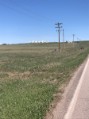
[22, 10]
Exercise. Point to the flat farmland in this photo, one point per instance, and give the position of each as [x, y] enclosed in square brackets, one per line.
[32, 74]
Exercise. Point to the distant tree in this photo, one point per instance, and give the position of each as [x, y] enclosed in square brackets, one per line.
[66, 41]
[4, 44]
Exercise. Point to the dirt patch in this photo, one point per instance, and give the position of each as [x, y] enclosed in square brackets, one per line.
[50, 65]
[24, 75]
[15, 75]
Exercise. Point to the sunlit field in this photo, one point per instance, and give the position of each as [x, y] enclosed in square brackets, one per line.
[30, 75]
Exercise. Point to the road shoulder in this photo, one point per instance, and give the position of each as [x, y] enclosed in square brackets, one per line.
[62, 105]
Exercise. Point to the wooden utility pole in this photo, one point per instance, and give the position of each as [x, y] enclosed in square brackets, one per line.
[58, 26]
[63, 38]
[73, 39]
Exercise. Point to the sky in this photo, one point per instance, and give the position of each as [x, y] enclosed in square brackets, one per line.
[24, 21]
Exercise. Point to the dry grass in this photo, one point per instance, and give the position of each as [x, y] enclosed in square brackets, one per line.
[33, 75]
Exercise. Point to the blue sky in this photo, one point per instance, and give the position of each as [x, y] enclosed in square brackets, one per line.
[23, 21]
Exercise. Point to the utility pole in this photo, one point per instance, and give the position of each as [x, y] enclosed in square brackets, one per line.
[63, 38]
[73, 39]
[58, 26]
[63, 35]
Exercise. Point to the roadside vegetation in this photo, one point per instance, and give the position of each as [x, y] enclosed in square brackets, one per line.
[32, 74]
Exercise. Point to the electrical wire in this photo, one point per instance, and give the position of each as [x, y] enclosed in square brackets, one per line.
[24, 11]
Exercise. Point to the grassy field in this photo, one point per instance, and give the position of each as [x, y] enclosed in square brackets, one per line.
[30, 75]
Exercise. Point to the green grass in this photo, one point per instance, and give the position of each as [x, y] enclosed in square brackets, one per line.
[30, 75]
